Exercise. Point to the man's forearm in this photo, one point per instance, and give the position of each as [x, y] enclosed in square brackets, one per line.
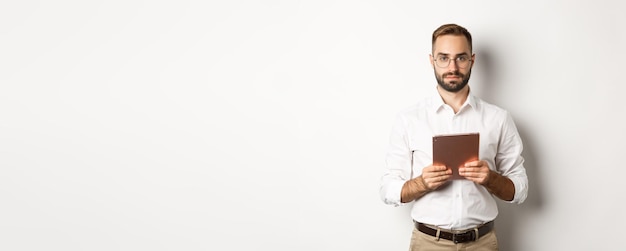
[501, 186]
[413, 189]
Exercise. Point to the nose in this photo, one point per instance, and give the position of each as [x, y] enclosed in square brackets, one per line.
[453, 64]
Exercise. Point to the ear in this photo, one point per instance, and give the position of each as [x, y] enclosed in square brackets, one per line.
[432, 63]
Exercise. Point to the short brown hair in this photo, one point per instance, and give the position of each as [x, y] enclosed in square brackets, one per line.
[452, 29]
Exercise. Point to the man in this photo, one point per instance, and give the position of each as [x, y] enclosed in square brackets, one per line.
[453, 214]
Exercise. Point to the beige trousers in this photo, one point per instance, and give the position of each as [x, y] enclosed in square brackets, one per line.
[423, 242]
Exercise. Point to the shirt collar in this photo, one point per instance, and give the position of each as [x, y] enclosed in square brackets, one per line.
[437, 102]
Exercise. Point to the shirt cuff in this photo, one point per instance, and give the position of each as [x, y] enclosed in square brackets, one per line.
[521, 189]
[392, 194]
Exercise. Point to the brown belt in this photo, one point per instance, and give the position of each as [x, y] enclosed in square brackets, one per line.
[469, 235]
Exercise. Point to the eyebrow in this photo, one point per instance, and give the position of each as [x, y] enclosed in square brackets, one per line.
[447, 54]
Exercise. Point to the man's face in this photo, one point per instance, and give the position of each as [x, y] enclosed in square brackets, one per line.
[455, 76]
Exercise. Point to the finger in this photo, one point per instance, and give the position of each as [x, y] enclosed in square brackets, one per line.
[467, 173]
[438, 168]
[437, 179]
[474, 175]
[467, 169]
[446, 171]
[434, 171]
[477, 163]
[472, 164]
[443, 177]
[437, 182]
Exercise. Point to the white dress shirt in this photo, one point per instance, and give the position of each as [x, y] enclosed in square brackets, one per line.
[461, 204]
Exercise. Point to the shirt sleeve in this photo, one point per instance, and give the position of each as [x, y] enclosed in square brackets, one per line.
[398, 164]
[509, 160]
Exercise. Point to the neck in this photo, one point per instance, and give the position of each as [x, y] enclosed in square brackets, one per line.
[454, 99]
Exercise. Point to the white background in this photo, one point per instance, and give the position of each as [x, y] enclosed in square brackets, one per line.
[263, 125]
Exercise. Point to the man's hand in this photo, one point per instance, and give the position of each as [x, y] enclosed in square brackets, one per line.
[476, 171]
[479, 172]
[435, 176]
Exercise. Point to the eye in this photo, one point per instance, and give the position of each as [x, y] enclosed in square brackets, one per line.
[443, 58]
[462, 58]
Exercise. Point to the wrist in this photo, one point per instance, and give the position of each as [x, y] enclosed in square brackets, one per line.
[491, 179]
[421, 184]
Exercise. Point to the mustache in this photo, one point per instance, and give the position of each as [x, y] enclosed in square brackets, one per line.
[456, 74]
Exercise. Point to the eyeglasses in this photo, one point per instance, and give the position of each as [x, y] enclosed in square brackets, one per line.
[443, 61]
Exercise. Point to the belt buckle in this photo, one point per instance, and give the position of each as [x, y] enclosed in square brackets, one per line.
[472, 237]
[454, 239]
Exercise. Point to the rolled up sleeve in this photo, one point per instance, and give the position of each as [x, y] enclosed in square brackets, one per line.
[510, 161]
[398, 164]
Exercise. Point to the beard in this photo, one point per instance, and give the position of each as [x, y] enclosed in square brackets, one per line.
[453, 86]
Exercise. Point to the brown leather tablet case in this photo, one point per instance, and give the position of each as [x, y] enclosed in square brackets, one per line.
[454, 150]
